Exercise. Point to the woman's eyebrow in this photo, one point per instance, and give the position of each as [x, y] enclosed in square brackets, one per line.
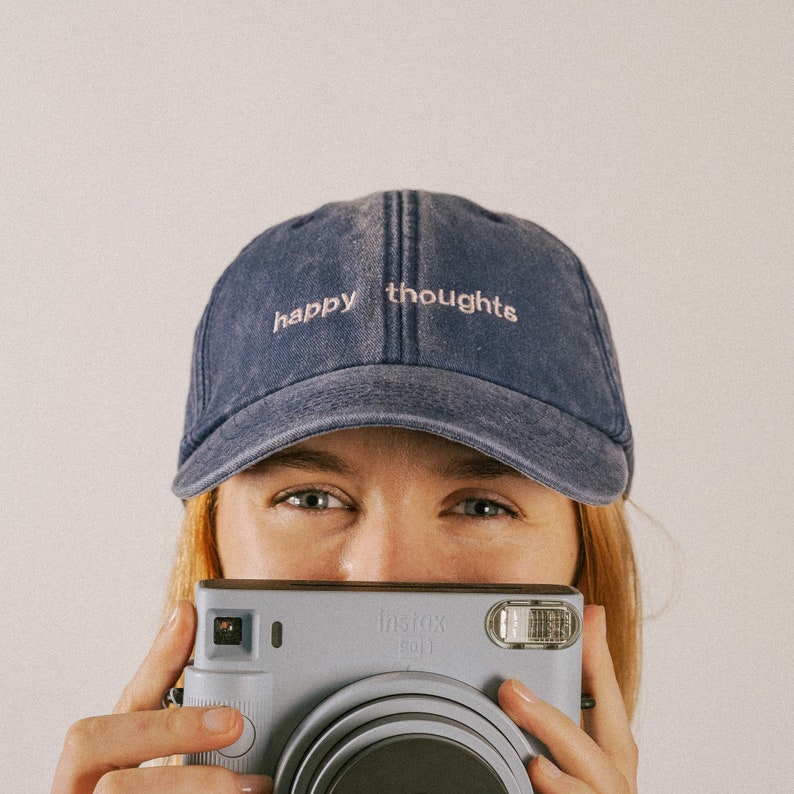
[305, 459]
[478, 468]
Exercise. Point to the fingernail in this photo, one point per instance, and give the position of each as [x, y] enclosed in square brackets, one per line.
[524, 692]
[598, 617]
[547, 768]
[220, 720]
[254, 784]
[602, 616]
[171, 622]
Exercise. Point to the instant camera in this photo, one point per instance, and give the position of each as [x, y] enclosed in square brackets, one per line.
[355, 688]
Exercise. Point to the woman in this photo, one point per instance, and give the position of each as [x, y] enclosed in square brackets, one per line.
[406, 387]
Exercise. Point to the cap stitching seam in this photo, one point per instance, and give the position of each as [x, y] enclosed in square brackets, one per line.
[397, 240]
[410, 234]
[619, 426]
[202, 381]
[393, 336]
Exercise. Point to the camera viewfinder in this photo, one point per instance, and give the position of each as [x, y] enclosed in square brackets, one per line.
[228, 631]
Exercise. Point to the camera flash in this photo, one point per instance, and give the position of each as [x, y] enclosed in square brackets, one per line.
[528, 624]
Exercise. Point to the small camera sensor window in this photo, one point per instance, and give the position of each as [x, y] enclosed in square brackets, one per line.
[228, 631]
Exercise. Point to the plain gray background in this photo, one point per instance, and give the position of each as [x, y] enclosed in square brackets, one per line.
[144, 143]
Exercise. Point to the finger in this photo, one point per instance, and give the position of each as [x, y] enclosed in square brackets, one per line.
[608, 722]
[163, 664]
[182, 780]
[574, 751]
[547, 778]
[99, 745]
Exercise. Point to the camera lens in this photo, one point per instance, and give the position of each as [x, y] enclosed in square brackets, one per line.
[411, 763]
[406, 732]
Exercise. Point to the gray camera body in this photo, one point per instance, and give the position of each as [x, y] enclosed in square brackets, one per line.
[360, 687]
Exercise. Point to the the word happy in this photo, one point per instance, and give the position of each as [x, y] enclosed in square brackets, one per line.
[306, 313]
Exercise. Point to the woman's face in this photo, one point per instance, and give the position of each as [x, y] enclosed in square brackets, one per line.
[382, 504]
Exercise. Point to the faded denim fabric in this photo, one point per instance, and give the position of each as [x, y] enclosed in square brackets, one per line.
[416, 310]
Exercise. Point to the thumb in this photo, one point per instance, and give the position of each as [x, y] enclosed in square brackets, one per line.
[164, 663]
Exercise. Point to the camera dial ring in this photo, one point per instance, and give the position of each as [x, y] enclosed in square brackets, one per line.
[372, 721]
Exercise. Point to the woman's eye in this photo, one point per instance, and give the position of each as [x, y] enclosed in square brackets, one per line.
[483, 508]
[314, 500]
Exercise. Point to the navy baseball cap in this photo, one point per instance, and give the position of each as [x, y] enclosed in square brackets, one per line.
[416, 310]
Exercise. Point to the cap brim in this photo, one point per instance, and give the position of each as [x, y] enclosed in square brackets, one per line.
[537, 439]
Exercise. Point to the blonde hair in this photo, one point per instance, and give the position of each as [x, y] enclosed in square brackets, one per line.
[607, 576]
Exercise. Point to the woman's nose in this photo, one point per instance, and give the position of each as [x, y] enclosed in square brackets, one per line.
[391, 552]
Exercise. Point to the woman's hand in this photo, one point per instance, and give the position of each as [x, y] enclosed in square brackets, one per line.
[603, 757]
[102, 754]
